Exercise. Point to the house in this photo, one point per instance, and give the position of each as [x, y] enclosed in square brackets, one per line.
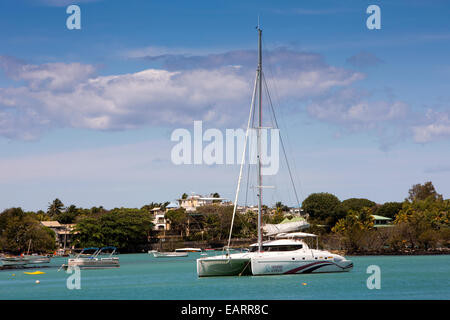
[380, 221]
[159, 220]
[63, 232]
[192, 202]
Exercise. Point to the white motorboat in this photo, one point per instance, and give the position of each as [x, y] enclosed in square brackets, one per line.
[287, 255]
[23, 260]
[37, 259]
[188, 250]
[169, 254]
[13, 261]
[94, 261]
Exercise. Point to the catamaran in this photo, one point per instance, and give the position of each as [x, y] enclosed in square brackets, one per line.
[288, 253]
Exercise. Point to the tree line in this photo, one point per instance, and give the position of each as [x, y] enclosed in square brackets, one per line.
[419, 222]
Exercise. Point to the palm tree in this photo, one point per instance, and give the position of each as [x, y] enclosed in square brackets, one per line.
[55, 208]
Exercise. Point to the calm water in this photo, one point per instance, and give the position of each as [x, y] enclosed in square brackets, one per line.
[142, 276]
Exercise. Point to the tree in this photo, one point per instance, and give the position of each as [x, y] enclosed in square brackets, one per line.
[216, 195]
[323, 207]
[68, 215]
[420, 221]
[178, 219]
[280, 206]
[18, 228]
[356, 204]
[55, 208]
[354, 227]
[389, 209]
[421, 192]
[126, 229]
[217, 221]
[184, 196]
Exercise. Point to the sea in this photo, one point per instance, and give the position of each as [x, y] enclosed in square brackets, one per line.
[144, 277]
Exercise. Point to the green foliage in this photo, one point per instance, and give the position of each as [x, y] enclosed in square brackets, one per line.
[55, 208]
[354, 227]
[277, 217]
[356, 204]
[152, 205]
[178, 219]
[323, 207]
[389, 209]
[420, 222]
[68, 215]
[17, 228]
[126, 229]
[280, 206]
[248, 224]
[421, 192]
[217, 222]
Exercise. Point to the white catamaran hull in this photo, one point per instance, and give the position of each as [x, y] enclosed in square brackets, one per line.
[272, 263]
[298, 262]
[231, 265]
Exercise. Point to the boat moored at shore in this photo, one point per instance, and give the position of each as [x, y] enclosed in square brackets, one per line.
[93, 261]
[169, 254]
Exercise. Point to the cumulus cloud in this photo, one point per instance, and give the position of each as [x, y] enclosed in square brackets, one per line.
[355, 108]
[215, 88]
[437, 127]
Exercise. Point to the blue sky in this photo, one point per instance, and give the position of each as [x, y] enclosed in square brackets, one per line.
[86, 115]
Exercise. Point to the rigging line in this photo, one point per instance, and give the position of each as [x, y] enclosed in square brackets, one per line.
[278, 103]
[243, 160]
[249, 164]
[281, 140]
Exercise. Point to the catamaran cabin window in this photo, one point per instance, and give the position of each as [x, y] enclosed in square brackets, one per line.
[278, 248]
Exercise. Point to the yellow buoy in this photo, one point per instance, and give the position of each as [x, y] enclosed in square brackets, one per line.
[36, 272]
[304, 283]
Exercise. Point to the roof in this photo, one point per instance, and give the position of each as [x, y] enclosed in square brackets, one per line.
[380, 217]
[51, 224]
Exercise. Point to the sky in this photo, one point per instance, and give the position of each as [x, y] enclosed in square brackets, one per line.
[86, 115]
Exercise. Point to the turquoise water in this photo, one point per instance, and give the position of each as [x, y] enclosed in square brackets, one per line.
[142, 276]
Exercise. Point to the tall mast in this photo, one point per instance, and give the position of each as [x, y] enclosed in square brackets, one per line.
[259, 140]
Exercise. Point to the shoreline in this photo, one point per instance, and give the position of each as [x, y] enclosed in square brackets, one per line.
[397, 253]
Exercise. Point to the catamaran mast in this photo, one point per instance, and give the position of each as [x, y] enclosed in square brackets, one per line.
[259, 140]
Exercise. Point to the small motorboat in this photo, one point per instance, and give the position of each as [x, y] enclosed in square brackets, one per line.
[13, 261]
[188, 250]
[93, 261]
[169, 254]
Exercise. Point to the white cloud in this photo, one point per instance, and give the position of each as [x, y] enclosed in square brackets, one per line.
[217, 90]
[354, 108]
[438, 127]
